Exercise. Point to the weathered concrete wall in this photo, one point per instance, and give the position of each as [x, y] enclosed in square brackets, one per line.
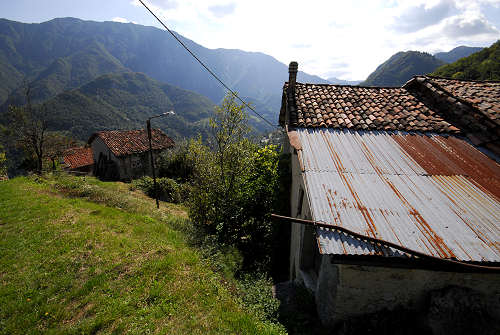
[345, 291]
[130, 166]
[99, 147]
[136, 165]
[302, 241]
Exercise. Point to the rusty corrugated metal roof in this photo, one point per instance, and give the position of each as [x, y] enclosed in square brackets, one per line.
[434, 194]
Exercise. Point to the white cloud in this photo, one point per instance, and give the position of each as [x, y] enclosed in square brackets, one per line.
[346, 38]
[122, 20]
[423, 15]
[220, 11]
[466, 26]
[119, 19]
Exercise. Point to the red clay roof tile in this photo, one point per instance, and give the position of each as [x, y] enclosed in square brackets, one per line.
[482, 95]
[355, 107]
[126, 142]
[78, 157]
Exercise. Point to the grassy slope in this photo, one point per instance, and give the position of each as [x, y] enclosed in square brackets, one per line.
[69, 265]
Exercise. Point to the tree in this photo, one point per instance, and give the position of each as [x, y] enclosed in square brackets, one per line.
[234, 184]
[3, 163]
[55, 145]
[219, 170]
[29, 127]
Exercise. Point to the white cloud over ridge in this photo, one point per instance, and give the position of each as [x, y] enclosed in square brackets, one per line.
[122, 20]
[345, 38]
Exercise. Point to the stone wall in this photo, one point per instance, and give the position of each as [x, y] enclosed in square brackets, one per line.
[347, 291]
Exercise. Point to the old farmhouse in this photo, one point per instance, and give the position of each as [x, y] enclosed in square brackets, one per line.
[124, 154]
[415, 166]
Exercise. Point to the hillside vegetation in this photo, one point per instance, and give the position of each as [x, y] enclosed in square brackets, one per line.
[124, 101]
[401, 67]
[483, 65]
[82, 256]
[456, 53]
[66, 53]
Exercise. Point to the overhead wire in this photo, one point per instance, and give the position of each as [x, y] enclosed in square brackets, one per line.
[206, 67]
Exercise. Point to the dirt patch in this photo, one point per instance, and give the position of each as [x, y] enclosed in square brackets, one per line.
[79, 313]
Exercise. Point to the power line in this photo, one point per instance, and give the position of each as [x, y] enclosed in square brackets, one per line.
[206, 67]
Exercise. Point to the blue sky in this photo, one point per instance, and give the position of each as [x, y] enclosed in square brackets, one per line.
[345, 39]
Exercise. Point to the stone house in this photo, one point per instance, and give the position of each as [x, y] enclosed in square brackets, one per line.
[80, 160]
[415, 166]
[124, 154]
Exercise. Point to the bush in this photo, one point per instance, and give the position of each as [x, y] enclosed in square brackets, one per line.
[257, 296]
[176, 163]
[168, 189]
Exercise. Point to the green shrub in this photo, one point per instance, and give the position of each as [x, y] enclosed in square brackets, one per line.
[257, 296]
[84, 187]
[176, 163]
[168, 189]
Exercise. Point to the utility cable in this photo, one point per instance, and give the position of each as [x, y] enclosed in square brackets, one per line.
[206, 67]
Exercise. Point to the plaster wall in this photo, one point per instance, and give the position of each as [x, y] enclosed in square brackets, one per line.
[302, 237]
[136, 165]
[129, 166]
[345, 291]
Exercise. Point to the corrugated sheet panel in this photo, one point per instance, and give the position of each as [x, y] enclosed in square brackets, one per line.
[372, 183]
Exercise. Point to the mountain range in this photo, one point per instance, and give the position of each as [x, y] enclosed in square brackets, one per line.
[109, 75]
[337, 81]
[456, 53]
[398, 69]
[482, 65]
[402, 66]
[63, 54]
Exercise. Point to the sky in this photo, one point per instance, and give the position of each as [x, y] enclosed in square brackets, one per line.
[328, 38]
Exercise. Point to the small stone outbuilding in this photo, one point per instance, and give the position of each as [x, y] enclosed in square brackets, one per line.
[79, 160]
[415, 166]
[124, 154]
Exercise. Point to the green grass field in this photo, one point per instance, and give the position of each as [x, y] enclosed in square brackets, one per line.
[79, 256]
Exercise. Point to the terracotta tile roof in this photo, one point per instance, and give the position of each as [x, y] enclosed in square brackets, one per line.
[472, 106]
[78, 157]
[482, 95]
[126, 142]
[362, 108]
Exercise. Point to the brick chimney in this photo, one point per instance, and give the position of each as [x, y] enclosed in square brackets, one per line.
[292, 71]
[290, 94]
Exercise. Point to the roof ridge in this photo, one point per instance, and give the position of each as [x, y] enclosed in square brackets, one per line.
[346, 85]
[453, 79]
[453, 95]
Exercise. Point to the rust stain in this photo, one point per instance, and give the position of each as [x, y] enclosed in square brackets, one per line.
[463, 250]
[438, 243]
[431, 157]
[474, 229]
[372, 229]
[482, 169]
[439, 155]
[384, 213]
[319, 246]
[332, 205]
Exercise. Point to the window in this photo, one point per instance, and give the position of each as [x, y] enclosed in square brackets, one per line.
[135, 162]
[301, 200]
